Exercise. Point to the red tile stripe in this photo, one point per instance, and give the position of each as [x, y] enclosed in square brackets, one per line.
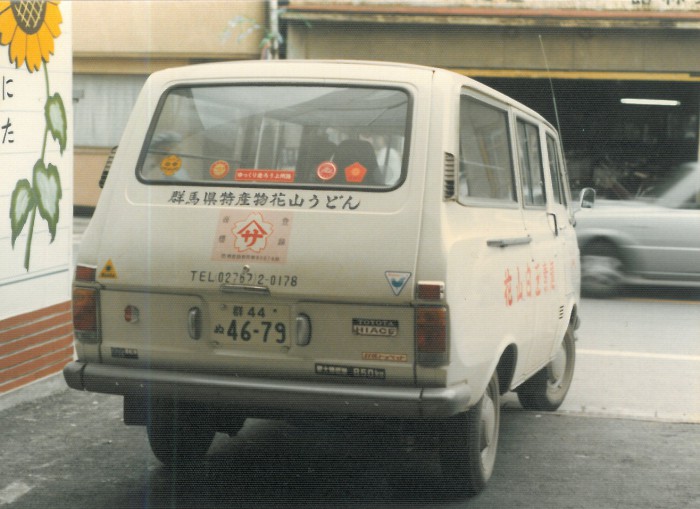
[32, 316]
[35, 345]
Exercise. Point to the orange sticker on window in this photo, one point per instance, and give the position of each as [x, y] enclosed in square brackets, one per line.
[355, 172]
[248, 175]
[170, 165]
[219, 169]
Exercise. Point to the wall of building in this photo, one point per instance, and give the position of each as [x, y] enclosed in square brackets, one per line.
[116, 36]
[504, 37]
[123, 41]
[654, 6]
[36, 193]
[502, 50]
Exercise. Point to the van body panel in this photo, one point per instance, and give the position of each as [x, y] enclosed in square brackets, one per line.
[483, 285]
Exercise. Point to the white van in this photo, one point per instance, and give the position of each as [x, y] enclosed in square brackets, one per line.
[329, 239]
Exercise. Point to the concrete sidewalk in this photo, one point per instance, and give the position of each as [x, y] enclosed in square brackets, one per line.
[36, 390]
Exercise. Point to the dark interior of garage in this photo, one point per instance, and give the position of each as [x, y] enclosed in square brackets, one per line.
[608, 141]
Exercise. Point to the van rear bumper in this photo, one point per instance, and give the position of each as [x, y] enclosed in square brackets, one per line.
[287, 396]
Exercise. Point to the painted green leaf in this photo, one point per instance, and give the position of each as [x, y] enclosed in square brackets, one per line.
[56, 122]
[47, 193]
[21, 205]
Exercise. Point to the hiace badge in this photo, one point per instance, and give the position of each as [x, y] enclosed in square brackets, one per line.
[375, 327]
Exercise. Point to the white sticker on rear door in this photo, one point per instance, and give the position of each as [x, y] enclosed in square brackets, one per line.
[243, 236]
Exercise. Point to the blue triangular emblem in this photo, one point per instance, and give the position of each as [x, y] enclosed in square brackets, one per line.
[397, 280]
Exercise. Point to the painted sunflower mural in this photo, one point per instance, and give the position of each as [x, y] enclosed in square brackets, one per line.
[29, 29]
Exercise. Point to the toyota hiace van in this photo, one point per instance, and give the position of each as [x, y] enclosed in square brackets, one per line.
[331, 240]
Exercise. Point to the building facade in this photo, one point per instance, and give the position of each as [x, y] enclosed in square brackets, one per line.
[573, 61]
[36, 191]
[117, 44]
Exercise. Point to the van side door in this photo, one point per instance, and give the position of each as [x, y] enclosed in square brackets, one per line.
[489, 217]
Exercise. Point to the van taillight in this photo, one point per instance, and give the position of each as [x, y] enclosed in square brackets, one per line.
[85, 273]
[85, 314]
[431, 334]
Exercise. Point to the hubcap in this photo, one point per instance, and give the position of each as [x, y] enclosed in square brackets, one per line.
[557, 368]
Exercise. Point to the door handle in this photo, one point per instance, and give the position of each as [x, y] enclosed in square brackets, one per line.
[512, 241]
[556, 223]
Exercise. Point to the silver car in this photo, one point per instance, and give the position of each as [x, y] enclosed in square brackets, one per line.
[652, 240]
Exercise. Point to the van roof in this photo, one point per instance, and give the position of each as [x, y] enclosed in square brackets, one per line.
[303, 69]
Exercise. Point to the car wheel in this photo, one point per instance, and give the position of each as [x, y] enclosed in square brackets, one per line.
[178, 434]
[546, 390]
[602, 270]
[469, 444]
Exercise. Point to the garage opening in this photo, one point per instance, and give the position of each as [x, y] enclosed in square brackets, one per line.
[624, 138]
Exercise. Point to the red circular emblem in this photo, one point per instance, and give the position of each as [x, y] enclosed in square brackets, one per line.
[326, 170]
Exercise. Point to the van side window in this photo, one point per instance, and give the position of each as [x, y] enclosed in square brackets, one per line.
[485, 160]
[531, 171]
[555, 170]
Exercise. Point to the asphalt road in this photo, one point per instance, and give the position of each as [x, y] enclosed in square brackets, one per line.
[639, 356]
[71, 450]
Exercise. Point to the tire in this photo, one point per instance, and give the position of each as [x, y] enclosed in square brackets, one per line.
[546, 390]
[602, 270]
[469, 444]
[178, 434]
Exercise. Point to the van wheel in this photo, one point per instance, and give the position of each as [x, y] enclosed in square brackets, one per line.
[546, 390]
[178, 433]
[469, 444]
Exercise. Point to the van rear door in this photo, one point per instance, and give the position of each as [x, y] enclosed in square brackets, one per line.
[272, 231]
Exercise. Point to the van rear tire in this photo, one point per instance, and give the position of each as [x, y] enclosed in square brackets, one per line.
[469, 444]
[178, 434]
[546, 390]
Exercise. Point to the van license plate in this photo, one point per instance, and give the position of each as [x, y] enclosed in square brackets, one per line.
[241, 324]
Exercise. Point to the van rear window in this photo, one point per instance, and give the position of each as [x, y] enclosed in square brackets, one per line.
[279, 135]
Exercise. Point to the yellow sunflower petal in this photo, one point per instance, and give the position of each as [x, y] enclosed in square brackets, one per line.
[45, 43]
[33, 53]
[53, 18]
[18, 48]
[8, 25]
